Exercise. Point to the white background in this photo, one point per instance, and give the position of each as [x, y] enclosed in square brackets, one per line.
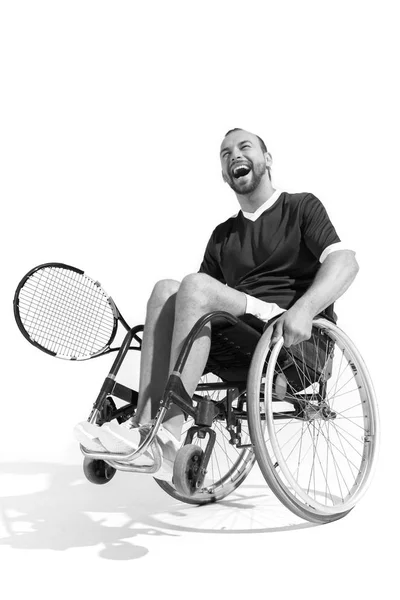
[112, 114]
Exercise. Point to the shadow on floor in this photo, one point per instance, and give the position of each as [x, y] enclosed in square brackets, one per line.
[53, 506]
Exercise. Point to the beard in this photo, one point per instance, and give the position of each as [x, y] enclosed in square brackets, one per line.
[257, 173]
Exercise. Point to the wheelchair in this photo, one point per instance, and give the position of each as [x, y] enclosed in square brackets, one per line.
[306, 414]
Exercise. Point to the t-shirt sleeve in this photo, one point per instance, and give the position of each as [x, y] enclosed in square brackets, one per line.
[210, 265]
[316, 227]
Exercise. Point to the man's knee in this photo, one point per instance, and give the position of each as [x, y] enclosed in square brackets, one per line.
[198, 288]
[208, 294]
[162, 291]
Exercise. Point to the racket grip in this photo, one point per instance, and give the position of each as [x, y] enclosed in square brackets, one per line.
[107, 386]
[106, 389]
[109, 381]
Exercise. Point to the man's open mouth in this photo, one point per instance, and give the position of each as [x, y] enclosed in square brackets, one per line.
[240, 171]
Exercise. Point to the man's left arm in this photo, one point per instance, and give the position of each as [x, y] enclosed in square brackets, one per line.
[334, 276]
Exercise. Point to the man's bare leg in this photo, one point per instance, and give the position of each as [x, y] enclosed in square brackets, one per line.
[198, 294]
[172, 310]
[156, 348]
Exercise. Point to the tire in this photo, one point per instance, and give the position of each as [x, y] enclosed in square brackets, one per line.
[320, 461]
[97, 471]
[186, 467]
[228, 466]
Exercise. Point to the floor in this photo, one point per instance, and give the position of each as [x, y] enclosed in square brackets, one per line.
[63, 537]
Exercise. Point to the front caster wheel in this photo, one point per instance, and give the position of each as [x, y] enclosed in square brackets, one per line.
[97, 471]
[186, 468]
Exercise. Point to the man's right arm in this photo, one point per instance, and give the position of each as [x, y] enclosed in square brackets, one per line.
[331, 281]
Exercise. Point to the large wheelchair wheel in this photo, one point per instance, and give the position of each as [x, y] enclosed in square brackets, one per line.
[318, 448]
[229, 465]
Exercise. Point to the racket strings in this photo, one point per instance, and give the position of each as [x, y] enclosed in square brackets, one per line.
[51, 320]
[66, 312]
[66, 295]
[52, 317]
[81, 327]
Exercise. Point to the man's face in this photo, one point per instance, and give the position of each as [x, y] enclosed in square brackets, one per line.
[243, 161]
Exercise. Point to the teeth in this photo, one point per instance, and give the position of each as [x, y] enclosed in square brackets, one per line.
[240, 167]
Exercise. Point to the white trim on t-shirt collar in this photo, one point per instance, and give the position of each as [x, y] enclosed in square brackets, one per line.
[271, 200]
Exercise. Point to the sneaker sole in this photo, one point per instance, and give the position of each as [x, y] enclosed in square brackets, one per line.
[87, 440]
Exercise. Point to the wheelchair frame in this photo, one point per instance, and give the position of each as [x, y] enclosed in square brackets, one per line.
[191, 464]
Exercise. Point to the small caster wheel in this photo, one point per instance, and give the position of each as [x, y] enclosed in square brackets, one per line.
[97, 471]
[186, 468]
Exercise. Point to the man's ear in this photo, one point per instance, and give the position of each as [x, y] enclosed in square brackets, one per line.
[268, 159]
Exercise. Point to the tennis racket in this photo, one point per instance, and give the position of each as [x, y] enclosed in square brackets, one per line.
[65, 313]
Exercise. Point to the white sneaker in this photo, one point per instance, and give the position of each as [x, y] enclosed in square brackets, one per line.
[115, 436]
[87, 434]
[123, 439]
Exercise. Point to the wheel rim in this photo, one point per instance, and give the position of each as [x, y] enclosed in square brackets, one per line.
[324, 459]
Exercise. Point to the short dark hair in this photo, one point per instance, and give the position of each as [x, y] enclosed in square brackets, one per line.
[262, 143]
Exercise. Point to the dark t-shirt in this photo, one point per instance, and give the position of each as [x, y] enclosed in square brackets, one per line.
[276, 257]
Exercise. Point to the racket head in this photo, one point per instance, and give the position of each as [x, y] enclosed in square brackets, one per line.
[64, 312]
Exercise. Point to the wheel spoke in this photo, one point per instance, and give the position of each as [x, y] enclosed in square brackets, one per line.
[321, 453]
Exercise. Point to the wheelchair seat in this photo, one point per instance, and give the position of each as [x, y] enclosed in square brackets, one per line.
[232, 347]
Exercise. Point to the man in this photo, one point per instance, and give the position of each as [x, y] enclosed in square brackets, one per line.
[279, 257]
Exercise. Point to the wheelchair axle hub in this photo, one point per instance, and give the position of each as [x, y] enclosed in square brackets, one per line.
[311, 412]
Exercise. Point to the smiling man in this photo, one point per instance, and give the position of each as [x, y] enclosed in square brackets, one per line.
[244, 175]
[279, 258]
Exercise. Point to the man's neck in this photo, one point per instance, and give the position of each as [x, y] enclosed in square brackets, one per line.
[251, 202]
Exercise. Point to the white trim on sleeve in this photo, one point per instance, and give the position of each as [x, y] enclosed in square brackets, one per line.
[333, 248]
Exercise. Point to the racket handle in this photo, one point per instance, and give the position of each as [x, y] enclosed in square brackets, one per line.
[109, 381]
[106, 389]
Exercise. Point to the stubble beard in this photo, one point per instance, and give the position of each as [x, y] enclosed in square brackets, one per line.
[258, 172]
